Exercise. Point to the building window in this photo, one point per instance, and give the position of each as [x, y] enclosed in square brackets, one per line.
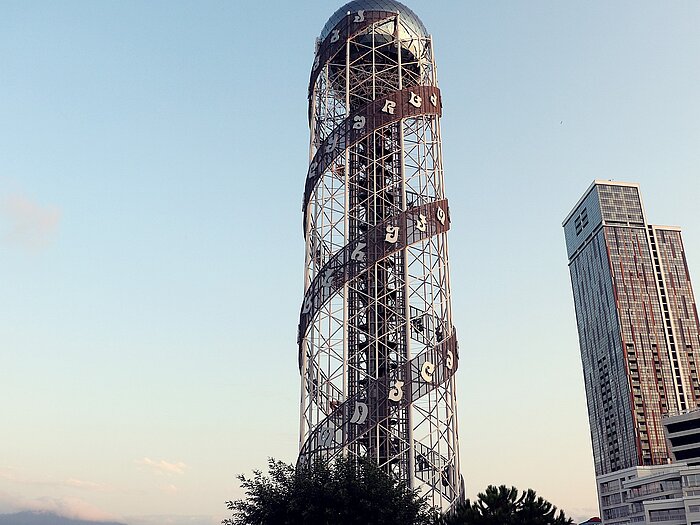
[612, 499]
[615, 512]
[609, 486]
[691, 480]
[666, 515]
[581, 221]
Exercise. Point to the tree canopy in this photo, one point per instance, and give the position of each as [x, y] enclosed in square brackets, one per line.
[505, 506]
[342, 493]
[348, 492]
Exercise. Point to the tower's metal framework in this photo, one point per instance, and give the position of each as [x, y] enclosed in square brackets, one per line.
[377, 349]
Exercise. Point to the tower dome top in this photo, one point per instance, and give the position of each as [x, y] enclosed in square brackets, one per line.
[408, 17]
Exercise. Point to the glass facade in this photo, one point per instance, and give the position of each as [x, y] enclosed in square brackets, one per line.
[637, 324]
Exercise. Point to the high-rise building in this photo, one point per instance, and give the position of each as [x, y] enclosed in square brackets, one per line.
[637, 324]
[377, 349]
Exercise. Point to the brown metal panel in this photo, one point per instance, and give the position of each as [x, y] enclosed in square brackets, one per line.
[349, 134]
[342, 267]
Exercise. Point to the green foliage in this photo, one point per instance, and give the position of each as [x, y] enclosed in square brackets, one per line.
[349, 493]
[343, 493]
[503, 506]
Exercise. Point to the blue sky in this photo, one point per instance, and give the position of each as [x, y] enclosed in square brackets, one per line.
[152, 159]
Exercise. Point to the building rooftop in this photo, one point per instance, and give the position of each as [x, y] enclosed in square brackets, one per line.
[598, 182]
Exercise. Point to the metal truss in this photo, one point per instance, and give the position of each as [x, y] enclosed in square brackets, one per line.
[377, 349]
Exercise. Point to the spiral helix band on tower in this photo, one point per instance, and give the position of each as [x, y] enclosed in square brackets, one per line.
[377, 349]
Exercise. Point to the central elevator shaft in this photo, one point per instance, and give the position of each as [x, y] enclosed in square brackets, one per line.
[377, 337]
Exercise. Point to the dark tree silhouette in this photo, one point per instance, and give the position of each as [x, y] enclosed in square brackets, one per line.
[343, 493]
[504, 506]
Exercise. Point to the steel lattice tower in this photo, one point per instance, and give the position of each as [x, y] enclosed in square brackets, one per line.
[377, 349]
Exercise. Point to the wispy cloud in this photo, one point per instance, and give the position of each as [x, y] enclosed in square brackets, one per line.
[17, 478]
[86, 485]
[169, 489]
[162, 466]
[29, 225]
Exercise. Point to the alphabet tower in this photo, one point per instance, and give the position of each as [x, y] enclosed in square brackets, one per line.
[377, 349]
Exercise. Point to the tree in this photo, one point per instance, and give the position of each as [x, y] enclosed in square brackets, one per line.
[503, 506]
[342, 493]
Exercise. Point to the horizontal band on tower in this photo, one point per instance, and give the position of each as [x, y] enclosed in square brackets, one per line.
[353, 418]
[390, 236]
[409, 102]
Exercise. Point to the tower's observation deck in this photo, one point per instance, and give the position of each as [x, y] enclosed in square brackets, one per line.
[377, 349]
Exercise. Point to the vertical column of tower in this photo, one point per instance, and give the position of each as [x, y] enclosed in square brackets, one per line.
[377, 350]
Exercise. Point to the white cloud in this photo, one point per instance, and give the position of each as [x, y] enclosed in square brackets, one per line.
[13, 475]
[28, 224]
[162, 466]
[85, 485]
